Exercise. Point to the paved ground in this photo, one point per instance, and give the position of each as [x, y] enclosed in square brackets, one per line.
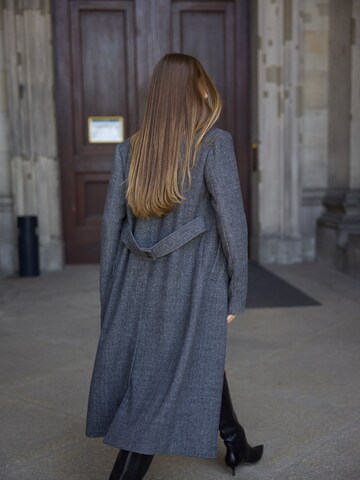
[294, 375]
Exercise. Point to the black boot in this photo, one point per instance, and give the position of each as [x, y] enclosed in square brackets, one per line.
[130, 465]
[233, 434]
[118, 465]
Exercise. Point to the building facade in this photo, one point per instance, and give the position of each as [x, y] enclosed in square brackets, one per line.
[303, 81]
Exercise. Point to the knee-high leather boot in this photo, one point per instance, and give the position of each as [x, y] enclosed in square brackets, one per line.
[118, 465]
[130, 465]
[233, 434]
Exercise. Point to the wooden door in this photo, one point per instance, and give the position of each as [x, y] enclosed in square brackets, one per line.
[105, 51]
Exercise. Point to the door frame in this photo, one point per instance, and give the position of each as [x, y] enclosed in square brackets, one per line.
[65, 135]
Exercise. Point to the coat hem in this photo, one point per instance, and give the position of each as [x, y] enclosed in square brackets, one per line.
[124, 446]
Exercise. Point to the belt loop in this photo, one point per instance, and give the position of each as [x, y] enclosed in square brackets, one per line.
[151, 253]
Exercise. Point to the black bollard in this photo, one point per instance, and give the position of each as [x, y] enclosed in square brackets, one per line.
[28, 245]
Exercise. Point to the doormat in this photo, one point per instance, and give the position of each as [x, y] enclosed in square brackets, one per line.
[266, 290]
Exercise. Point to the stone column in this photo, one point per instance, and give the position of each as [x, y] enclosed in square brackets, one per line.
[278, 195]
[341, 217]
[34, 162]
[313, 145]
[7, 237]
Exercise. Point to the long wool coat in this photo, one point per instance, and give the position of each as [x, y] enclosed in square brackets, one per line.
[166, 287]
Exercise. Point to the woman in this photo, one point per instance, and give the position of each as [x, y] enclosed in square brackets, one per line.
[173, 274]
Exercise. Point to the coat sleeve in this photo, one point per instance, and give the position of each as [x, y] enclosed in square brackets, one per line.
[114, 214]
[222, 180]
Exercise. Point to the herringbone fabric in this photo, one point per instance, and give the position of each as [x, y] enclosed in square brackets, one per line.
[166, 287]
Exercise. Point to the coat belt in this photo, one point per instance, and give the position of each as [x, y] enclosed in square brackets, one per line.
[171, 242]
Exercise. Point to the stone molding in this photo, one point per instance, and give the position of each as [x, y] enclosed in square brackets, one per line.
[19, 6]
[312, 197]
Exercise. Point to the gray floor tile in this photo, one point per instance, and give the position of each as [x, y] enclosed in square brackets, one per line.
[333, 460]
[90, 459]
[323, 367]
[26, 354]
[293, 376]
[29, 431]
[65, 389]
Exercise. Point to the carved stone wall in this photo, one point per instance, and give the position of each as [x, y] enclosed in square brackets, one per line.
[355, 98]
[292, 127]
[7, 234]
[296, 124]
[314, 142]
[32, 133]
[338, 229]
[280, 88]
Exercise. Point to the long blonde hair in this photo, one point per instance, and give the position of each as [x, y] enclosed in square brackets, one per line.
[182, 102]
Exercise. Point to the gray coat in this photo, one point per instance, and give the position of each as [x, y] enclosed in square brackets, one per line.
[166, 287]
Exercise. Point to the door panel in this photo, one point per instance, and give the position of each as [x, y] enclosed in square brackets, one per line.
[105, 52]
[103, 67]
[98, 75]
[217, 34]
[206, 31]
